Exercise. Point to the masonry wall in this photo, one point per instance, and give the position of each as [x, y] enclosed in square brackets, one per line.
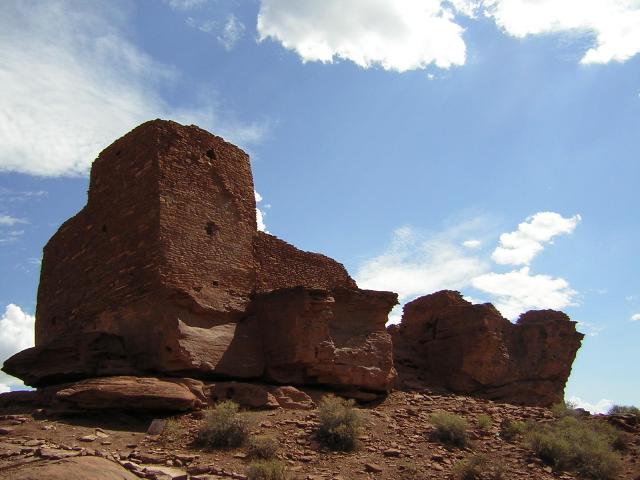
[281, 265]
[105, 256]
[207, 223]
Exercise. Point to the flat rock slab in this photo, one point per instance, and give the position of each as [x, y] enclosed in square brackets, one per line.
[135, 393]
[77, 468]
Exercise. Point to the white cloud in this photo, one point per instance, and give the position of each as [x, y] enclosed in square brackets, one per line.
[72, 83]
[260, 214]
[521, 246]
[415, 264]
[472, 244]
[9, 221]
[232, 32]
[4, 388]
[398, 35]
[615, 24]
[16, 334]
[518, 291]
[602, 406]
[636, 317]
[185, 4]
[589, 329]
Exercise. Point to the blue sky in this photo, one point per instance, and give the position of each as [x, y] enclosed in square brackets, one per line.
[485, 146]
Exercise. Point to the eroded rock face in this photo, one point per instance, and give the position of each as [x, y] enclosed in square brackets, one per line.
[445, 341]
[157, 274]
[336, 338]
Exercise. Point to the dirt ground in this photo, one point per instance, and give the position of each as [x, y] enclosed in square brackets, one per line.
[394, 444]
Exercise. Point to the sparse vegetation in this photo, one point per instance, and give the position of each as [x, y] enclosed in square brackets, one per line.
[624, 410]
[564, 409]
[267, 470]
[408, 470]
[262, 447]
[340, 423]
[572, 444]
[471, 468]
[222, 427]
[450, 429]
[511, 430]
[484, 422]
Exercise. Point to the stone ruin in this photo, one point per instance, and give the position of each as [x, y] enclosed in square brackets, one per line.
[163, 274]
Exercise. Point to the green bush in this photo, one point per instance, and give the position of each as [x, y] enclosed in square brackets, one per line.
[471, 468]
[340, 423]
[267, 470]
[222, 428]
[450, 429]
[510, 430]
[263, 447]
[572, 444]
[484, 422]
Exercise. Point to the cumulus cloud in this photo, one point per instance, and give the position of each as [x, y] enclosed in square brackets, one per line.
[518, 291]
[415, 264]
[405, 35]
[601, 406]
[636, 317]
[521, 246]
[4, 388]
[398, 35]
[16, 333]
[72, 82]
[615, 24]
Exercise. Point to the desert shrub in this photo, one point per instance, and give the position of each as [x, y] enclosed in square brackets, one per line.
[408, 470]
[571, 444]
[263, 447]
[484, 422]
[510, 430]
[624, 410]
[450, 429]
[266, 470]
[340, 423]
[471, 468]
[222, 428]
[564, 409]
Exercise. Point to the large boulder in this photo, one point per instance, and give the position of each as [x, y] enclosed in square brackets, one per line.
[157, 274]
[76, 468]
[128, 393]
[445, 341]
[331, 337]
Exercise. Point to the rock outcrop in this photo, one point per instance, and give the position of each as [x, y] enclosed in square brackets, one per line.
[445, 341]
[163, 272]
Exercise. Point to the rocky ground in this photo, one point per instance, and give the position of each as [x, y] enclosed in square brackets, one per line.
[395, 444]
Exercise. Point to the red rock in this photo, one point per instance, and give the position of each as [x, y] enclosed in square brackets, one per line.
[447, 342]
[247, 395]
[78, 468]
[290, 398]
[156, 274]
[134, 393]
[335, 338]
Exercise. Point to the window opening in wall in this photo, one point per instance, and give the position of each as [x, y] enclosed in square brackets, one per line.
[211, 153]
[210, 228]
[104, 228]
